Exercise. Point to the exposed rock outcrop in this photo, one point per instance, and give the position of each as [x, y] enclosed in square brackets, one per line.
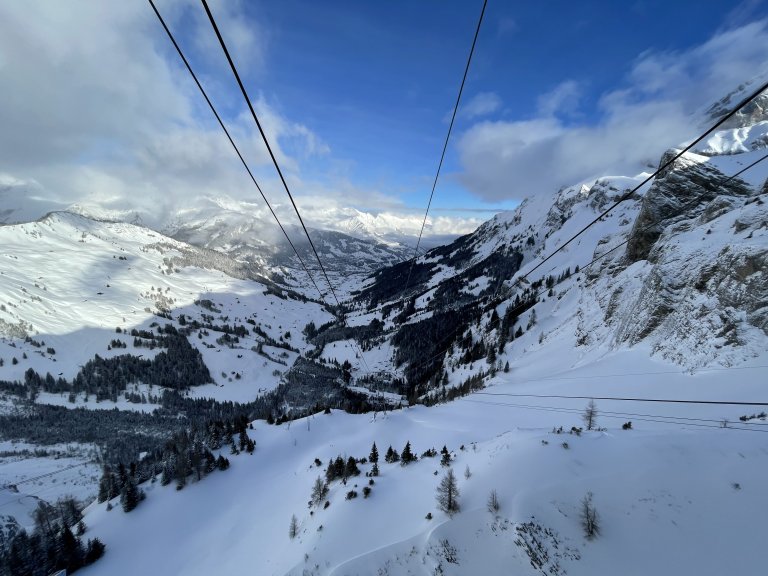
[682, 190]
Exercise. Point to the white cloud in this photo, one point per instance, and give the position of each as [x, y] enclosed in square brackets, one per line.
[658, 108]
[563, 100]
[246, 39]
[98, 110]
[481, 104]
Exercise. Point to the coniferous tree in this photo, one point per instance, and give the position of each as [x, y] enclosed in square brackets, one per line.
[445, 459]
[388, 455]
[407, 456]
[293, 529]
[375, 469]
[339, 466]
[351, 469]
[107, 485]
[70, 550]
[448, 493]
[94, 551]
[129, 496]
[330, 472]
[374, 456]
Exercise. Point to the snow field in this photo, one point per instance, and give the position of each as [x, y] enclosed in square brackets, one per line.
[657, 484]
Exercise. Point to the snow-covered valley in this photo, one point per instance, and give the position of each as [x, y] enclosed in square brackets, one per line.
[124, 349]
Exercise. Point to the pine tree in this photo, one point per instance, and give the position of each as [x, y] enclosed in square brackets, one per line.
[94, 551]
[388, 455]
[375, 469]
[70, 550]
[351, 469]
[129, 496]
[407, 456]
[293, 529]
[107, 485]
[330, 472]
[374, 456]
[339, 466]
[445, 460]
[448, 493]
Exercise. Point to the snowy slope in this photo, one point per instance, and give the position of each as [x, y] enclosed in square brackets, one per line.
[655, 484]
[675, 310]
[68, 282]
[676, 313]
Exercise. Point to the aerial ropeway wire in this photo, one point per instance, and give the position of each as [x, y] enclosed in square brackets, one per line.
[277, 168]
[232, 142]
[445, 145]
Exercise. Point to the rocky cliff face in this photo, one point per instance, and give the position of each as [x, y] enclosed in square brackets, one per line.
[703, 291]
[684, 189]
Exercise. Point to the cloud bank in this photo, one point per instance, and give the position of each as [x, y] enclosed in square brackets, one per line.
[659, 106]
[98, 111]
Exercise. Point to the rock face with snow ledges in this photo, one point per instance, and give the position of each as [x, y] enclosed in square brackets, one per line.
[705, 288]
[682, 190]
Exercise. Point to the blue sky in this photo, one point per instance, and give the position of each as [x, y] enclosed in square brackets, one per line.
[357, 97]
[377, 80]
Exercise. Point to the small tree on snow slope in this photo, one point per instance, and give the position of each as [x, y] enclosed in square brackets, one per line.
[493, 502]
[293, 529]
[407, 455]
[319, 491]
[590, 521]
[448, 493]
[590, 415]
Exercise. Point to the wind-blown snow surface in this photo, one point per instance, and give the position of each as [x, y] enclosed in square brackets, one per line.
[672, 498]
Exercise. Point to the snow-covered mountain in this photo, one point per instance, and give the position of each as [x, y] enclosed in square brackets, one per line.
[69, 283]
[352, 241]
[690, 282]
[665, 297]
